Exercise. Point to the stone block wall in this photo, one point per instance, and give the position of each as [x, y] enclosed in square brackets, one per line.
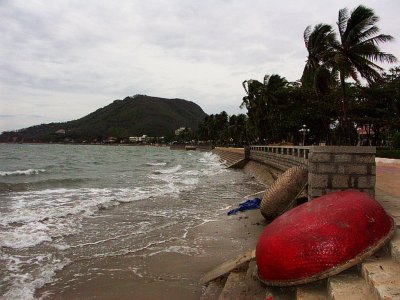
[335, 168]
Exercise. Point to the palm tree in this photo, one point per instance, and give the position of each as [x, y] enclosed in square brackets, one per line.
[256, 107]
[357, 51]
[272, 84]
[261, 102]
[319, 43]
[318, 75]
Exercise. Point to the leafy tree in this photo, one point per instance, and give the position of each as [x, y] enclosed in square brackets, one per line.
[236, 131]
[377, 106]
[396, 140]
[262, 103]
[256, 107]
[214, 128]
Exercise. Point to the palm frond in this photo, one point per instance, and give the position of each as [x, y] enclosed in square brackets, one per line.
[368, 33]
[360, 20]
[319, 43]
[359, 45]
[381, 38]
[385, 57]
[245, 86]
[342, 21]
[353, 74]
[266, 79]
[306, 35]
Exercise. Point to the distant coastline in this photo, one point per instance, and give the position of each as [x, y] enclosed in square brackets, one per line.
[138, 117]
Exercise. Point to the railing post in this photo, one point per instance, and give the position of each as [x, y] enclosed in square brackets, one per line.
[247, 152]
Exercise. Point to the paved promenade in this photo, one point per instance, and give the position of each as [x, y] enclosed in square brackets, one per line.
[387, 189]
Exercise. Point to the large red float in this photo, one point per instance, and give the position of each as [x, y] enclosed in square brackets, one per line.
[321, 238]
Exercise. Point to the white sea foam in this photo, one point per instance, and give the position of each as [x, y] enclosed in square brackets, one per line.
[136, 271]
[209, 157]
[22, 237]
[22, 172]
[157, 164]
[213, 164]
[181, 179]
[179, 249]
[190, 181]
[24, 283]
[39, 216]
[169, 171]
[32, 217]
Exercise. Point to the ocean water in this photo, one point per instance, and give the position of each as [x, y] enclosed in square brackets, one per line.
[62, 205]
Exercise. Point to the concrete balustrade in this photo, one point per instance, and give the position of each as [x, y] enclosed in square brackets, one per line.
[280, 157]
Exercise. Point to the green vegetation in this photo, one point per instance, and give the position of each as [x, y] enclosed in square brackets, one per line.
[221, 129]
[323, 103]
[396, 140]
[388, 153]
[133, 116]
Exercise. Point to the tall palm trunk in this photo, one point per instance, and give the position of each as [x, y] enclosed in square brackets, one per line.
[345, 120]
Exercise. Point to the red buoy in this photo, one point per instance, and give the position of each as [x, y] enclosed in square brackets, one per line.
[321, 238]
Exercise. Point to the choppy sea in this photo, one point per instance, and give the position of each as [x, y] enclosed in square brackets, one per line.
[64, 204]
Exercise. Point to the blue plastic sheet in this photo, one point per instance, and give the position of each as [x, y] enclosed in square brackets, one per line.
[249, 204]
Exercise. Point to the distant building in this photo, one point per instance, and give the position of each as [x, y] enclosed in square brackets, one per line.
[180, 130]
[135, 139]
[141, 139]
[144, 139]
[110, 140]
[60, 131]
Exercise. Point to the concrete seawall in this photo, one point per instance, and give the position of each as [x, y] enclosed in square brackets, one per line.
[235, 158]
[330, 169]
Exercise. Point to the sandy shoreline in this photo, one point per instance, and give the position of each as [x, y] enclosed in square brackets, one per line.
[174, 271]
[175, 275]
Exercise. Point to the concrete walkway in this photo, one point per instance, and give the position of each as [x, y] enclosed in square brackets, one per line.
[387, 189]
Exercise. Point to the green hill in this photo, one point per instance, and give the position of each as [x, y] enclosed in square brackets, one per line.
[133, 116]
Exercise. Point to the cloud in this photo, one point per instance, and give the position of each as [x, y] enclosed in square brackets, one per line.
[64, 59]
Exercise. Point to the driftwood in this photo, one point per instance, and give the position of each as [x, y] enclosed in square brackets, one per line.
[228, 266]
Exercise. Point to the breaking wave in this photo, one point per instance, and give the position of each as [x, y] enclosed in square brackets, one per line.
[157, 164]
[44, 212]
[22, 172]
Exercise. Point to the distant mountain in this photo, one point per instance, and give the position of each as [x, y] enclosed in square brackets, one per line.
[134, 116]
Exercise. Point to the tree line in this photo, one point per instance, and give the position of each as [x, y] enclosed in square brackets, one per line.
[342, 88]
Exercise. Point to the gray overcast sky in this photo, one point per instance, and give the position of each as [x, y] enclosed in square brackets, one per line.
[60, 60]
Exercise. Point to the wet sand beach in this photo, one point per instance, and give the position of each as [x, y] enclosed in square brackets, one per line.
[165, 275]
[85, 222]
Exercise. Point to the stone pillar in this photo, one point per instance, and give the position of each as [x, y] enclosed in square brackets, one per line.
[247, 152]
[336, 168]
